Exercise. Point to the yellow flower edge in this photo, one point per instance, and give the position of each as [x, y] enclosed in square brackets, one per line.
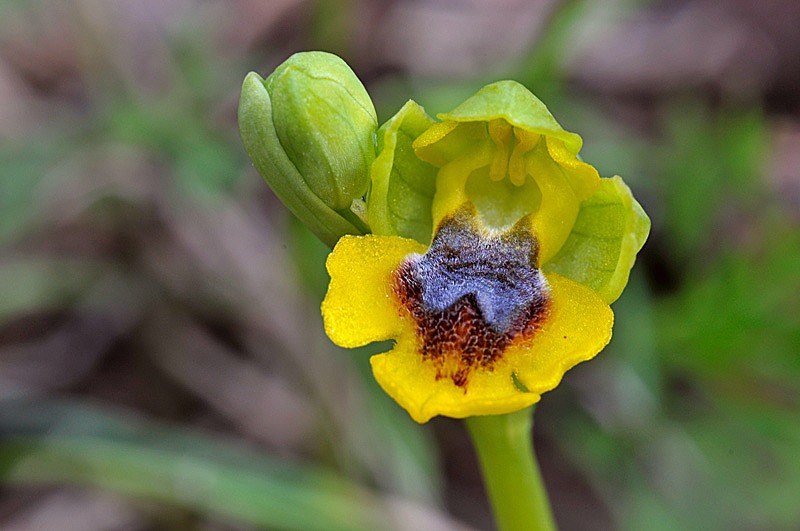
[360, 307]
[578, 327]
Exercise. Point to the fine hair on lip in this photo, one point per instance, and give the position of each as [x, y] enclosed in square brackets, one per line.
[472, 294]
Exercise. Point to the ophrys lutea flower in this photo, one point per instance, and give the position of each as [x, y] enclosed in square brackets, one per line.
[529, 247]
[484, 247]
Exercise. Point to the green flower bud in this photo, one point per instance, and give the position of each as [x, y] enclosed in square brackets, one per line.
[309, 129]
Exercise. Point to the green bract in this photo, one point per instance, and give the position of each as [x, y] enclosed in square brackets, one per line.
[309, 129]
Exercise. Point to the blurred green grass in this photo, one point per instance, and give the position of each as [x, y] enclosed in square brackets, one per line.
[145, 267]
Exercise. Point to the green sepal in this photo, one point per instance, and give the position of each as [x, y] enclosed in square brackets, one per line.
[518, 106]
[402, 188]
[260, 140]
[610, 229]
[506, 100]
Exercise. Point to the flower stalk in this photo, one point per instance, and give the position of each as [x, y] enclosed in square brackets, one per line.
[510, 472]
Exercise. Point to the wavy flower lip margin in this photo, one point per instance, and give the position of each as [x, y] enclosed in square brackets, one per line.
[362, 306]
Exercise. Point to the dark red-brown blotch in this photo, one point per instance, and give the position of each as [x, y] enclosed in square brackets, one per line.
[471, 295]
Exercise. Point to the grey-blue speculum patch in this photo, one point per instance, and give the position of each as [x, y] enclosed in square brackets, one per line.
[472, 293]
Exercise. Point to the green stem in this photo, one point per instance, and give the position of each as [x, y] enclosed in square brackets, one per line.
[510, 471]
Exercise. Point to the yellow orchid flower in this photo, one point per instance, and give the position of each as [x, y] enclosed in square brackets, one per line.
[528, 248]
[452, 359]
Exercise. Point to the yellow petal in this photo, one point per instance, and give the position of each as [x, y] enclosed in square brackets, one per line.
[411, 381]
[583, 177]
[451, 182]
[578, 327]
[435, 133]
[558, 209]
[359, 307]
[444, 141]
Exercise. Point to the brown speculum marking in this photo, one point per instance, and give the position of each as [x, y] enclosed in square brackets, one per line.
[472, 294]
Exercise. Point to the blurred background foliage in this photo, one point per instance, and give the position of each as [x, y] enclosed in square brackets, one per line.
[162, 361]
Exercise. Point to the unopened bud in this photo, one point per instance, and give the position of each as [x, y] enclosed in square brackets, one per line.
[309, 129]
